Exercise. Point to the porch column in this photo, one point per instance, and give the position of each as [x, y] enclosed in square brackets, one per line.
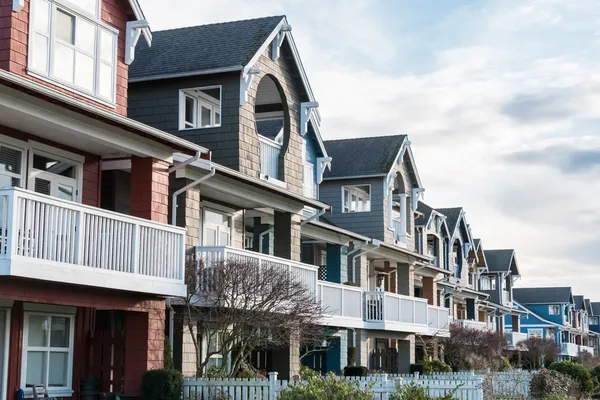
[287, 236]
[144, 346]
[150, 189]
[471, 309]
[430, 290]
[406, 279]
[516, 323]
[361, 342]
[286, 360]
[406, 354]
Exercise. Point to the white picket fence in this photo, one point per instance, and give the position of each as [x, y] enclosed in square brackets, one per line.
[467, 386]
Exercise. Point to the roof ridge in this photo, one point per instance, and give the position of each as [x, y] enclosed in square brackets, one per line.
[366, 137]
[217, 23]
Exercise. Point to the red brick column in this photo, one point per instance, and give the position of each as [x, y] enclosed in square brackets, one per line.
[150, 189]
[144, 346]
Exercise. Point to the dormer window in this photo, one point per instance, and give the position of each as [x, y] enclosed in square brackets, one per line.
[69, 45]
[200, 108]
[554, 310]
[356, 198]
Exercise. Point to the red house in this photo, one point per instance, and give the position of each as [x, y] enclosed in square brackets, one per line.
[86, 255]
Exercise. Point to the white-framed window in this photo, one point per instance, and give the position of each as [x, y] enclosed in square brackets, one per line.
[48, 351]
[493, 283]
[554, 309]
[593, 321]
[356, 198]
[12, 166]
[216, 228]
[55, 176]
[248, 241]
[308, 175]
[69, 44]
[200, 107]
[535, 332]
[485, 283]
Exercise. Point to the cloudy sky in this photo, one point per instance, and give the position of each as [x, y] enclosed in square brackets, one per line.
[501, 99]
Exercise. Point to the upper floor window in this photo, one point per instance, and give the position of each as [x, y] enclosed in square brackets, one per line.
[200, 107]
[70, 45]
[493, 283]
[356, 198]
[554, 310]
[308, 173]
[485, 283]
[593, 321]
[11, 162]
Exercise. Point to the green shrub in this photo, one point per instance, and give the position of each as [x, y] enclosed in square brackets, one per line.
[306, 372]
[595, 372]
[216, 372]
[505, 364]
[414, 391]
[578, 373]
[416, 368]
[329, 387]
[169, 364]
[550, 384]
[162, 384]
[352, 356]
[355, 371]
[434, 365]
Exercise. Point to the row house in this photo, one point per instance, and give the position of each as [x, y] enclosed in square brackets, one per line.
[554, 313]
[86, 261]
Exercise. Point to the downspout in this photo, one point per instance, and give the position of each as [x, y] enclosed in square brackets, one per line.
[185, 189]
[313, 217]
[171, 325]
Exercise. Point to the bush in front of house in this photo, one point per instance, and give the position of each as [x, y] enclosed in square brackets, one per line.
[169, 363]
[356, 370]
[578, 373]
[434, 365]
[352, 356]
[162, 384]
[328, 387]
[504, 364]
[414, 391]
[306, 372]
[550, 384]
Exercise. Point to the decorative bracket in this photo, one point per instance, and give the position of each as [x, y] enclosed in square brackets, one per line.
[132, 35]
[305, 110]
[18, 5]
[278, 41]
[417, 194]
[323, 163]
[245, 83]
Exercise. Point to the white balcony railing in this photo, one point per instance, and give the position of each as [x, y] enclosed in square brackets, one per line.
[269, 157]
[340, 300]
[438, 318]
[514, 338]
[569, 349]
[47, 238]
[587, 349]
[390, 307]
[304, 273]
[506, 297]
[469, 323]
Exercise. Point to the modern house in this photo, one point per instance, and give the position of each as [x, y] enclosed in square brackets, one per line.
[552, 313]
[86, 264]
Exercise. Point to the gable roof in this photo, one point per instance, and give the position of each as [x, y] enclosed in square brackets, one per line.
[479, 250]
[579, 302]
[588, 306]
[452, 216]
[595, 308]
[425, 216]
[226, 46]
[542, 295]
[369, 156]
[501, 260]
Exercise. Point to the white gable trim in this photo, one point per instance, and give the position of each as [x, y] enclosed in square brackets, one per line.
[406, 147]
[139, 15]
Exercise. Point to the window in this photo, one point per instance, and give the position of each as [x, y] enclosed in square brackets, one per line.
[493, 283]
[308, 176]
[248, 241]
[54, 176]
[593, 321]
[356, 198]
[200, 108]
[554, 310]
[485, 283]
[71, 45]
[48, 351]
[536, 333]
[216, 228]
[11, 162]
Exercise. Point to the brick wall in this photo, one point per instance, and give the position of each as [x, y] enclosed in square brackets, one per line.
[14, 36]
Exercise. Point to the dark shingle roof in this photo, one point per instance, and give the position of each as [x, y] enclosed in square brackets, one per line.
[269, 129]
[204, 47]
[595, 308]
[426, 211]
[499, 260]
[477, 243]
[588, 305]
[363, 156]
[542, 295]
[579, 302]
[452, 217]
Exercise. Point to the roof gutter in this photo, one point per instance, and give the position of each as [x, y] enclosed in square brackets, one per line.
[359, 252]
[234, 68]
[314, 216]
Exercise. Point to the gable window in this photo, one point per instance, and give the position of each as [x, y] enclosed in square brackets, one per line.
[308, 175]
[356, 198]
[48, 351]
[554, 310]
[200, 107]
[485, 283]
[409, 215]
[70, 45]
[493, 283]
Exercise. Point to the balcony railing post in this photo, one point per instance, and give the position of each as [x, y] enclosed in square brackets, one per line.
[342, 302]
[79, 237]
[135, 246]
[12, 231]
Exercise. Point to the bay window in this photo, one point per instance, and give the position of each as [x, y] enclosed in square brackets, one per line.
[356, 198]
[70, 45]
[48, 351]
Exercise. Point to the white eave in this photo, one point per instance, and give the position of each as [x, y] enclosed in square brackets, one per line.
[139, 15]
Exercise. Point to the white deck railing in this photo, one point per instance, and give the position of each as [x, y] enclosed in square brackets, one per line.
[269, 157]
[340, 300]
[40, 227]
[514, 338]
[586, 349]
[390, 307]
[305, 273]
[469, 323]
[438, 318]
[569, 349]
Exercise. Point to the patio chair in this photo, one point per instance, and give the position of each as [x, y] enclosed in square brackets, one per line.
[40, 392]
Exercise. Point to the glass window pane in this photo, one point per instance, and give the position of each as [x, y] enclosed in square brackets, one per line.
[91, 6]
[59, 334]
[38, 331]
[217, 119]
[84, 71]
[210, 237]
[39, 53]
[10, 160]
[223, 239]
[53, 166]
[59, 363]
[85, 37]
[41, 16]
[106, 85]
[36, 368]
[63, 62]
[42, 186]
[65, 27]
[216, 218]
[204, 116]
[65, 192]
[107, 46]
[190, 105]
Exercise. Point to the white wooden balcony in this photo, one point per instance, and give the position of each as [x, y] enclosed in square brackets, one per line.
[514, 338]
[269, 157]
[587, 349]
[569, 349]
[471, 324]
[438, 320]
[50, 239]
[343, 304]
[305, 273]
[390, 311]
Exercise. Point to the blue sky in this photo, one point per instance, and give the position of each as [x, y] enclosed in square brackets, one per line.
[501, 99]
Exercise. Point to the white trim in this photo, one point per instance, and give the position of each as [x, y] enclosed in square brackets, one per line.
[37, 146]
[233, 68]
[33, 172]
[347, 187]
[199, 100]
[49, 308]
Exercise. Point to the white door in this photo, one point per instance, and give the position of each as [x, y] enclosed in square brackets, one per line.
[55, 177]
[216, 229]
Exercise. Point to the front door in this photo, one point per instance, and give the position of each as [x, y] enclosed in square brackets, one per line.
[216, 228]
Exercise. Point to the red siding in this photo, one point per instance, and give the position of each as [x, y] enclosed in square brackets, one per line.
[150, 189]
[14, 29]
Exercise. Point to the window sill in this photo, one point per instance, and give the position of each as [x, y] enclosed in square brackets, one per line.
[71, 89]
[273, 181]
[356, 212]
[198, 128]
[52, 393]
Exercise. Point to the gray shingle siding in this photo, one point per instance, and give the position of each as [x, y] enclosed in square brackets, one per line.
[369, 224]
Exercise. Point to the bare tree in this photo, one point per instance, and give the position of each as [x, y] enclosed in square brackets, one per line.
[240, 306]
[536, 352]
[473, 349]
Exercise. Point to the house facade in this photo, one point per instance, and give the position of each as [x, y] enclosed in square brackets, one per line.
[86, 264]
